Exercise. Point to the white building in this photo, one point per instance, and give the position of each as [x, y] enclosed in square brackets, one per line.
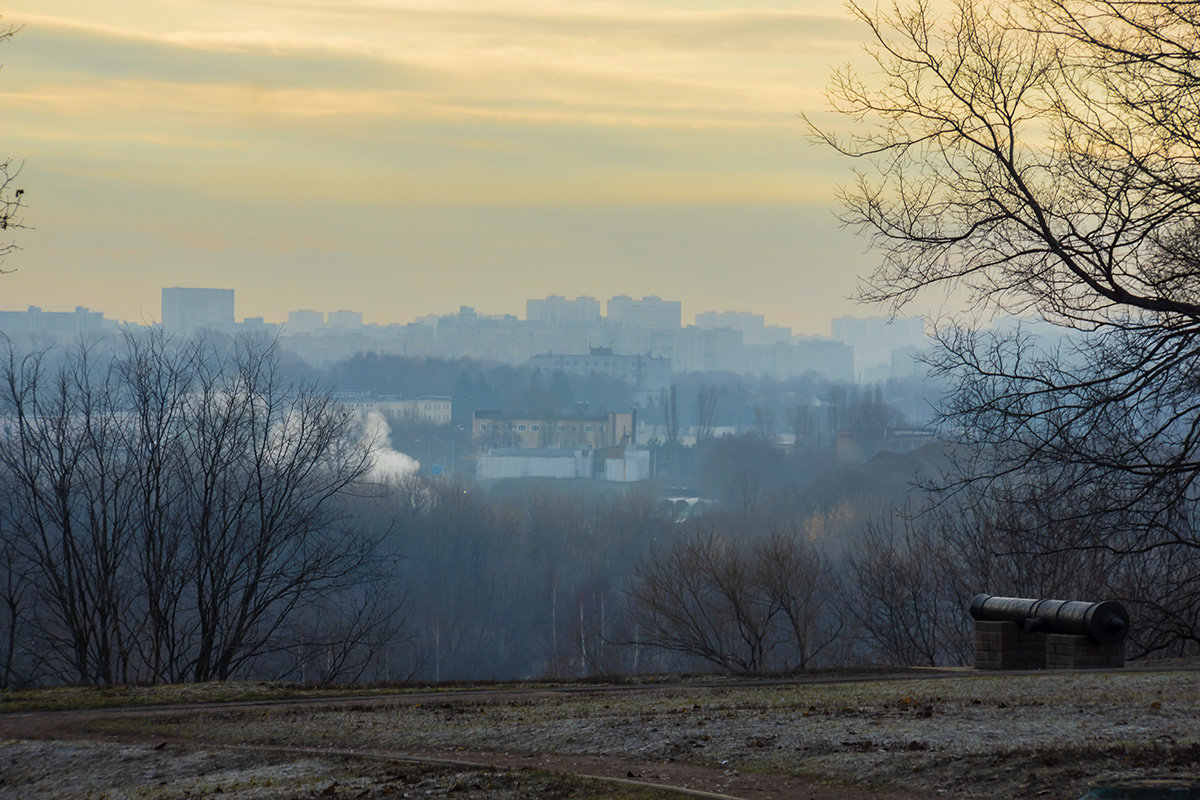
[437, 409]
[36, 323]
[707, 350]
[187, 310]
[650, 313]
[345, 320]
[753, 327]
[557, 309]
[617, 465]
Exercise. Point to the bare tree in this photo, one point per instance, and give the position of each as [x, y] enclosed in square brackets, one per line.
[11, 197]
[672, 411]
[270, 462]
[745, 608]
[1043, 157]
[802, 582]
[71, 510]
[706, 412]
[18, 659]
[906, 610]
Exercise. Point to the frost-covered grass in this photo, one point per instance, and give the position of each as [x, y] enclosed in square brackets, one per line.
[969, 735]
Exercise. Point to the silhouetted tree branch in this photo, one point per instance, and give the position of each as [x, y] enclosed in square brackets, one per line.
[1043, 158]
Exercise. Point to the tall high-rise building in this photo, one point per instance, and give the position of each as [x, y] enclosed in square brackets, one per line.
[649, 313]
[185, 310]
[346, 320]
[874, 339]
[558, 309]
[753, 326]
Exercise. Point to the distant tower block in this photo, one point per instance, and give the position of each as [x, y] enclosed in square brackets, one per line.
[187, 310]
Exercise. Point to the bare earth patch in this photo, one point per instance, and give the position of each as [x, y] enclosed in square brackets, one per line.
[967, 735]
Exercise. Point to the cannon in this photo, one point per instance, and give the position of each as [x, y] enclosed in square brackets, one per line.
[1106, 622]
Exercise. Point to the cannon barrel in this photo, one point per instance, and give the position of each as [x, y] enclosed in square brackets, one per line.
[1106, 622]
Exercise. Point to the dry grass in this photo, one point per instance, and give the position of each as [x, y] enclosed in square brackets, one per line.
[972, 735]
[63, 698]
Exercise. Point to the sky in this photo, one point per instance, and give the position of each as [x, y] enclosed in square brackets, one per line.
[406, 157]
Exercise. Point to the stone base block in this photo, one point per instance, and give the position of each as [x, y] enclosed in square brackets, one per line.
[1006, 645]
[1079, 652]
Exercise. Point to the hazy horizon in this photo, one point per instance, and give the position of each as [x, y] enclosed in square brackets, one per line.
[405, 158]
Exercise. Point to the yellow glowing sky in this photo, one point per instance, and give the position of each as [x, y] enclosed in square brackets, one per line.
[403, 157]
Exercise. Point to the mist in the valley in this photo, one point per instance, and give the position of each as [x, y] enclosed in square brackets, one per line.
[782, 523]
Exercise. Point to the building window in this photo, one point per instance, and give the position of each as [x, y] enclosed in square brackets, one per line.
[588, 429]
[483, 427]
[520, 427]
[535, 427]
[562, 427]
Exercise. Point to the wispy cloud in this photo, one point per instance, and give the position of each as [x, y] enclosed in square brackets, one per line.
[601, 64]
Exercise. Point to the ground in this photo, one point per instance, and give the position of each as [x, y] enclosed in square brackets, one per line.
[958, 734]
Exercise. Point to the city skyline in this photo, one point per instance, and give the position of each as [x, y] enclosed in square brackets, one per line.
[402, 157]
[242, 314]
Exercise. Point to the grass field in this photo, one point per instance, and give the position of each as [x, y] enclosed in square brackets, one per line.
[967, 735]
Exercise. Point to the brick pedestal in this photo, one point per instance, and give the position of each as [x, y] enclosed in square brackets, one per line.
[1006, 645]
[1073, 652]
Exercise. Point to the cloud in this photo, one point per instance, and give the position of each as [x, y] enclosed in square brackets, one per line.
[594, 64]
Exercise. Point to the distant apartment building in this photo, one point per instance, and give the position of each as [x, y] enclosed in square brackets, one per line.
[874, 338]
[753, 327]
[658, 342]
[345, 320]
[707, 350]
[529, 430]
[829, 358]
[257, 325]
[557, 310]
[187, 310]
[35, 323]
[651, 313]
[436, 409]
[649, 376]
[305, 320]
